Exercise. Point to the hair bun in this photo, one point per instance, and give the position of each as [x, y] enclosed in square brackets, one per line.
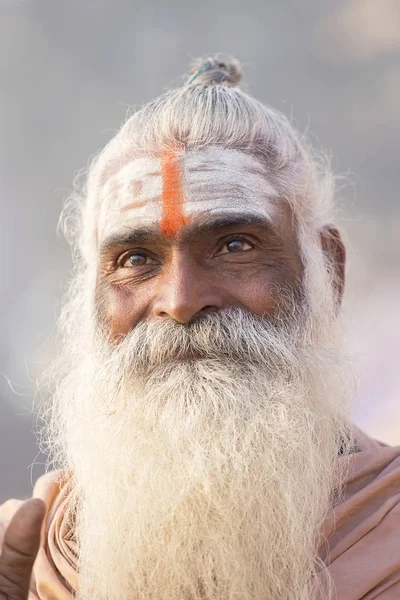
[218, 70]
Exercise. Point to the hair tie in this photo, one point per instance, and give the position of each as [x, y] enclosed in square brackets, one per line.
[198, 72]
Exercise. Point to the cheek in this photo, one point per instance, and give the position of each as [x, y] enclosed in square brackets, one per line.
[267, 293]
[118, 309]
[259, 295]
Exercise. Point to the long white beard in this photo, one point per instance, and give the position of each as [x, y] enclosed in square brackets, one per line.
[204, 460]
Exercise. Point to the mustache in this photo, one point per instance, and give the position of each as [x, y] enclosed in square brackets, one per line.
[235, 335]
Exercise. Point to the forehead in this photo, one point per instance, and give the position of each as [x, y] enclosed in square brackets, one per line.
[172, 189]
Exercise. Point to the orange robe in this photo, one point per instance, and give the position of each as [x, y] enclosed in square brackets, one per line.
[362, 550]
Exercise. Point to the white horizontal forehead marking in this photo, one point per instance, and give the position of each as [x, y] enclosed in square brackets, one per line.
[215, 180]
[139, 185]
[224, 156]
[138, 168]
[121, 189]
[220, 179]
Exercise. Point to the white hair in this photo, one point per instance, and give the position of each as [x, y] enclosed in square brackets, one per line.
[266, 404]
[212, 111]
[203, 459]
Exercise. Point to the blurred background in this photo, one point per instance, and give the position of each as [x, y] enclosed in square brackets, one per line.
[69, 71]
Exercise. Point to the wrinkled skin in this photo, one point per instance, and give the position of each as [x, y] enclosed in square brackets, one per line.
[204, 270]
[229, 260]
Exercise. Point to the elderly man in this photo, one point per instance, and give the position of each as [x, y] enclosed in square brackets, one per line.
[199, 415]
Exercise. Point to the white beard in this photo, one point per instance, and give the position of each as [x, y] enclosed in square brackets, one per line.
[204, 460]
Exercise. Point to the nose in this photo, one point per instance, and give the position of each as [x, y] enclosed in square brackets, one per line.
[186, 291]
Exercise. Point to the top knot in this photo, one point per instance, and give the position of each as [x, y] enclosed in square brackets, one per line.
[217, 70]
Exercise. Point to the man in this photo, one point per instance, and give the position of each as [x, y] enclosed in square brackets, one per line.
[199, 416]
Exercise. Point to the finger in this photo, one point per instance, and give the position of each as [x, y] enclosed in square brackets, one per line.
[20, 546]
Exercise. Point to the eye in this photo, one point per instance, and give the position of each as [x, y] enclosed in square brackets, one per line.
[136, 259]
[236, 246]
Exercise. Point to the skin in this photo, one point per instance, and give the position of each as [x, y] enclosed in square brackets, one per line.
[236, 246]
[228, 252]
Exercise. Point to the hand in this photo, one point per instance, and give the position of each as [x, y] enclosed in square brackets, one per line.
[20, 546]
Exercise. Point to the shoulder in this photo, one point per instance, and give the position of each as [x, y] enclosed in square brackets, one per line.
[364, 537]
[373, 476]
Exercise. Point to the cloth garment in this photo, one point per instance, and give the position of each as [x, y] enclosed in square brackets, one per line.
[360, 541]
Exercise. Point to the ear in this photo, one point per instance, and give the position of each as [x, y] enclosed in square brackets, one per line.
[335, 252]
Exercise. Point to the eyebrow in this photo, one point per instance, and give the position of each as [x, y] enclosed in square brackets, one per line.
[221, 221]
[207, 224]
[132, 237]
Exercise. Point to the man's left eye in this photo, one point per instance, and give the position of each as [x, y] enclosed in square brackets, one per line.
[236, 246]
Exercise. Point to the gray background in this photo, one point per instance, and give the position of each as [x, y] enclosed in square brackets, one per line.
[69, 70]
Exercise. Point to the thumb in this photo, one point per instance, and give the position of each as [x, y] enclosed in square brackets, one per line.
[20, 546]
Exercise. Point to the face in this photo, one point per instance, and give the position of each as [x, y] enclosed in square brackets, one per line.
[196, 455]
[183, 236]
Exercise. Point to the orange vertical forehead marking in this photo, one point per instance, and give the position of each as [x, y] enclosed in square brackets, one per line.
[172, 195]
